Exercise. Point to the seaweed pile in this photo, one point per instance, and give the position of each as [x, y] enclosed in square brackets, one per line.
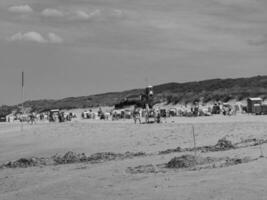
[183, 161]
[178, 149]
[190, 163]
[70, 157]
[222, 145]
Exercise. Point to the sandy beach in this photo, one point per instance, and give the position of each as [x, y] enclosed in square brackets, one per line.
[112, 179]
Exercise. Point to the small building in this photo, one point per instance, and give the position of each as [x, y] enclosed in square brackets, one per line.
[254, 104]
[10, 118]
[2, 118]
[172, 112]
[264, 109]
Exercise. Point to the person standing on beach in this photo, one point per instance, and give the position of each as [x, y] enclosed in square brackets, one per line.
[136, 115]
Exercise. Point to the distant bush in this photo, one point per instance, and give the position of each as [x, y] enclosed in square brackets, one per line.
[6, 110]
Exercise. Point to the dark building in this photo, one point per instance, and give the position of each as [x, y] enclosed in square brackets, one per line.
[254, 105]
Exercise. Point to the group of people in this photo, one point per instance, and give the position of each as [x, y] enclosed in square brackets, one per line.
[148, 113]
[136, 114]
[60, 116]
[93, 115]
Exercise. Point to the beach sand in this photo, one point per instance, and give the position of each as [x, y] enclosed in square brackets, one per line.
[113, 180]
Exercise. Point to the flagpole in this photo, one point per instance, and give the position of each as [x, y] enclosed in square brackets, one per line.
[22, 98]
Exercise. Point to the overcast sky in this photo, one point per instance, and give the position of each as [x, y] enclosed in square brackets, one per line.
[81, 47]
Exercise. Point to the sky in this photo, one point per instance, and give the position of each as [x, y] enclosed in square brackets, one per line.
[82, 47]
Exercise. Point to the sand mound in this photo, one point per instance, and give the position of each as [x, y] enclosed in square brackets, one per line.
[224, 144]
[183, 161]
[70, 157]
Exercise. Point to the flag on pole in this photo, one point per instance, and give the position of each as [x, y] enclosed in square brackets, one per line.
[22, 79]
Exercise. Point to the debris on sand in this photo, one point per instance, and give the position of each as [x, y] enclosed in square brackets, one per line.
[188, 161]
[130, 154]
[236, 161]
[70, 157]
[221, 145]
[224, 144]
[250, 142]
[178, 149]
[104, 156]
[183, 161]
[260, 141]
[107, 156]
[25, 162]
[142, 169]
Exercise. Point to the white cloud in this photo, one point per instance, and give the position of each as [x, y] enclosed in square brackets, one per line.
[52, 13]
[20, 9]
[117, 13]
[95, 13]
[36, 37]
[30, 36]
[54, 38]
[72, 14]
[83, 15]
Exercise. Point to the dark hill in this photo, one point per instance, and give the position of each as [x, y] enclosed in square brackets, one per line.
[207, 90]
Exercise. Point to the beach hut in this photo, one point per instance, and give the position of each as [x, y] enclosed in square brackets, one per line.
[172, 112]
[254, 104]
[2, 118]
[264, 109]
[10, 118]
